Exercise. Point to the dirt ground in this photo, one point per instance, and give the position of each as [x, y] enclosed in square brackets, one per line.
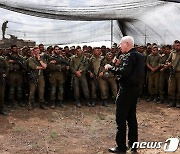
[81, 131]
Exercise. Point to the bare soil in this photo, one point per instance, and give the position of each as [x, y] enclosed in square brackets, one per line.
[88, 130]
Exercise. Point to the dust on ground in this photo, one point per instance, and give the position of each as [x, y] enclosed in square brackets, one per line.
[86, 130]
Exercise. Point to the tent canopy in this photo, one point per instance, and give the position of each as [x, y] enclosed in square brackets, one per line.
[69, 21]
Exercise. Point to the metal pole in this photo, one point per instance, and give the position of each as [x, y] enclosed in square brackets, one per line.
[111, 32]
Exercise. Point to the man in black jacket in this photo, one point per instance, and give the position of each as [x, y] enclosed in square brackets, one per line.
[130, 72]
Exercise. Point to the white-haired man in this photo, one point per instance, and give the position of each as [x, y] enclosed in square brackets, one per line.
[130, 72]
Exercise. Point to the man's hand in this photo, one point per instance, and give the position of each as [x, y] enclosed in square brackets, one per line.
[11, 61]
[91, 74]
[101, 74]
[78, 73]
[4, 75]
[53, 61]
[107, 66]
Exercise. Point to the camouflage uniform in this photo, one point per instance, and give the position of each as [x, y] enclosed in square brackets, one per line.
[153, 77]
[107, 81]
[38, 83]
[15, 78]
[80, 63]
[56, 80]
[163, 77]
[3, 70]
[174, 79]
[94, 66]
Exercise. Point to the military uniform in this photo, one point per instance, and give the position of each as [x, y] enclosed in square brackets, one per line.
[174, 79]
[56, 80]
[15, 77]
[107, 81]
[94, 67]
[80, 63]
[163, 77]
[153, 77]
[39, 81]
[3, 70]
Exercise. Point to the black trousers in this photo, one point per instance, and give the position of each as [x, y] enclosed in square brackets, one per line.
[126, 113]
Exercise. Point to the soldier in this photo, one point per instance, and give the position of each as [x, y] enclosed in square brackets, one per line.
[4, 26]
[164, 73]
[15, 78]
[36, 65]
[108, 79]
[153, 74]
[3, 75]
[57, 69]
[173, 63]
[79, 66]
[94, 70]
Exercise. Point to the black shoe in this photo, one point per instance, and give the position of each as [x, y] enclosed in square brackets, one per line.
[30, 106]
[115, 150]
[78, 104]
[2, 112]
[61, 104]
[178, 104]
[172, 103]
[52, 105]
[93, 104]
[161, 101]
[21, 104]
[88, 104]
[105, 103]
[151, 98]
[42, 106]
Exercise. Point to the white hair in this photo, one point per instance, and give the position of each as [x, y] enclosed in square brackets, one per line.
[128, 39]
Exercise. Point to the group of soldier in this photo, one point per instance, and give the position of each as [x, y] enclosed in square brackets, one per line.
[51, 76]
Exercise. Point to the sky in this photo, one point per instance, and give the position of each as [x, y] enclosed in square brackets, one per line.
[157, 24]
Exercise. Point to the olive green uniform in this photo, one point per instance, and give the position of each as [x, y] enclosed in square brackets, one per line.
[107, 81]
[3, 70]
[79, 63]
[39, 83]
[163, 77]
[153, 77]
[15, 77]
[94, 66]
[56, 79]
[174, 79]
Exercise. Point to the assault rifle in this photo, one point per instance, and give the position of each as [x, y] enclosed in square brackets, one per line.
[60, 61]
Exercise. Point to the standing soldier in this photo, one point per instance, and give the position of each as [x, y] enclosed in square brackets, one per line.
[173, 63]
[164, 73]
[94, 66]
[153, 74]
[36, 65]
[79, 66]
[108, 79]
[3, 74]
[4, 26]
[57, 68]
[15, 78]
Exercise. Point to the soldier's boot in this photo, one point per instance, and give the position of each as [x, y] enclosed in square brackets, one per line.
[30, 106]
[155, 98]
[52, 105]
[61, 104]
[42, 106]
[2, 111]
[172, 103]
[88, 103]
[93, 103]
[21, 103]
[151, 98]
[105, 103]
[78, 104]
[178, 104]
[161, 100]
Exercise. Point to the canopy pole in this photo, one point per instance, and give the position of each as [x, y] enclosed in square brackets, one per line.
[111, 32]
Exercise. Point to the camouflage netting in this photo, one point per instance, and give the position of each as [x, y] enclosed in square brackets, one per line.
[76, 21]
